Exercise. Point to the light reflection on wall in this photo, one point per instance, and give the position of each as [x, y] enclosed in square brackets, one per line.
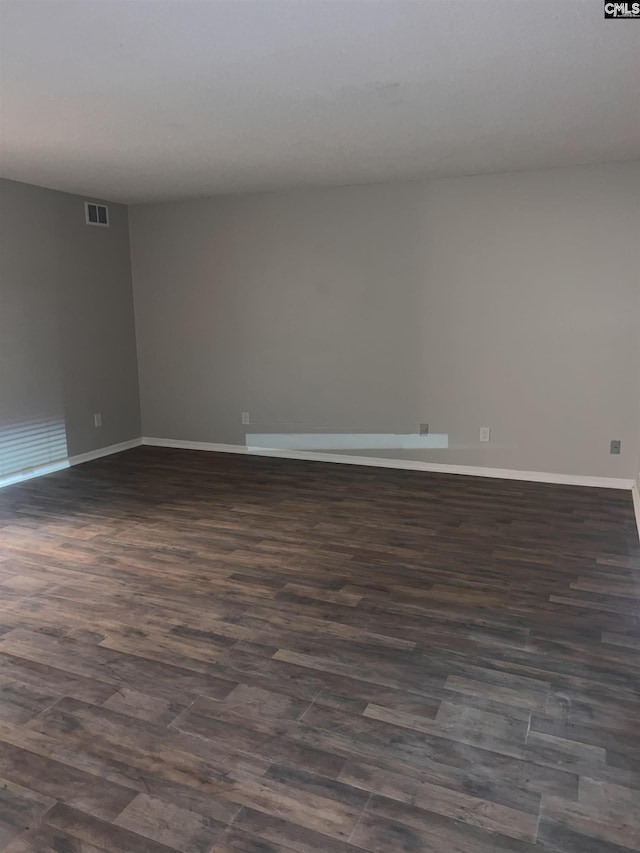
[345, 441]
[32, 446]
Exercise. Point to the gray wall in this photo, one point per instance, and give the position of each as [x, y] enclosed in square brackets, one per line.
[509, 301]
[67, 333]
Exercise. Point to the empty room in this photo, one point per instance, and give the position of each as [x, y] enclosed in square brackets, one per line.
[319, 426]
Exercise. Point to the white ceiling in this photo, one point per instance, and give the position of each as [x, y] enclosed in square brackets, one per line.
[141, 100]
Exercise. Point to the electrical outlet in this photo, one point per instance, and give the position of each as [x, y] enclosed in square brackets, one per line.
[245, 418]
[485, 433]
[424, 429]
[97, 420]
[615, 447]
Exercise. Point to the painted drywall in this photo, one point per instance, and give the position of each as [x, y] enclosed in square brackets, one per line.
[508, 301]
[67, 334]
[636, 485]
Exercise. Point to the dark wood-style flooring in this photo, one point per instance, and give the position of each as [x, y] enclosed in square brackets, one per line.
[212, 653]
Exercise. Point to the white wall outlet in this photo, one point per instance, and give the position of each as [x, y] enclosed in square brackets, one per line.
[97, 420]
[485, 433]
[245, 418]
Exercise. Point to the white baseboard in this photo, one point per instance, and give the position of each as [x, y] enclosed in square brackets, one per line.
[104, 451]
[341, 459]
[635, 494]
[406, 464]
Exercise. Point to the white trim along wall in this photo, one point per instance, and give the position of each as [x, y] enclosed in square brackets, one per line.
[406, 464]
[336, 458]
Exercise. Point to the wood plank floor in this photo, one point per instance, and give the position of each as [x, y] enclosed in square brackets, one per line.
[212, 653]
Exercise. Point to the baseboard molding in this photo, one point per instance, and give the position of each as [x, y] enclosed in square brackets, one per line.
[635, 494]
[406, 464]
[342, 459]
[104, 451]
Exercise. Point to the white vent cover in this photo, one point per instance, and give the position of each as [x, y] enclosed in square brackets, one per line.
[96, 214]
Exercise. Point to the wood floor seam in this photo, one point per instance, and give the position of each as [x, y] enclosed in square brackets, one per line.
[364, 808]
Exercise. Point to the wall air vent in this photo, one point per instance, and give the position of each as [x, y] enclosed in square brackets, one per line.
[96, 214]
